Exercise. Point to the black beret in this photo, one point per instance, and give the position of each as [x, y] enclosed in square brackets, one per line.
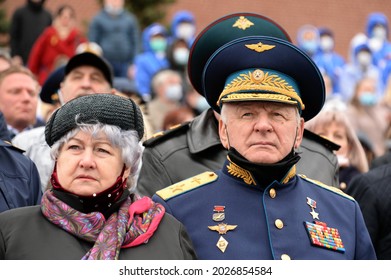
[105, 108]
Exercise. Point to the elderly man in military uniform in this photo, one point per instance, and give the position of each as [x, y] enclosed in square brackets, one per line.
[193, 147]
[257, 206]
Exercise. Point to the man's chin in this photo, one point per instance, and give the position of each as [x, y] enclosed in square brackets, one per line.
[263, 157]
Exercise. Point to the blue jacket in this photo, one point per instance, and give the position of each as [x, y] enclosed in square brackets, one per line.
[383, 54]
[266, 222]
[4, 134]
[148, 63]
[332, 63]
[19, 179]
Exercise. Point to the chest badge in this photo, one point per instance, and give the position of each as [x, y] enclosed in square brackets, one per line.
[219, 214]
[221, 228]
[312, 203]
[323, 236]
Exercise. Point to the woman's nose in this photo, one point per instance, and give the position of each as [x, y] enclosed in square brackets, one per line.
[87, 160]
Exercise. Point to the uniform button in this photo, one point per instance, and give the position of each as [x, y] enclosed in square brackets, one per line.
[279, 224]
[285, 257]
[272, 193]
[342, 185]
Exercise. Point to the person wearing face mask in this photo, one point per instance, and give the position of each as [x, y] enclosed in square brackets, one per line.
[178, 55]
[377, 30]
[152, 59]
[367, 114]
[327, 59]
[360, 66]
[183, 27]
[167, 88]
[117, 32]
[196, 101]
[308, 39]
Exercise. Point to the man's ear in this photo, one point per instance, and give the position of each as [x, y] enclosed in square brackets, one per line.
[300, 133]
[223, 133]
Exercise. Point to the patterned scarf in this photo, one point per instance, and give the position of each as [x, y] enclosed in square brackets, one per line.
[133, 224]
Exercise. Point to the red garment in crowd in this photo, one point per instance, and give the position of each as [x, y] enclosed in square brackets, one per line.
[49, 51]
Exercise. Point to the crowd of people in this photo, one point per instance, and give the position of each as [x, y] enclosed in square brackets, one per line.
[212, 137]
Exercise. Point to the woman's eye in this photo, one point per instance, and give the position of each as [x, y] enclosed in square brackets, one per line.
[74, 147]
[100, 150]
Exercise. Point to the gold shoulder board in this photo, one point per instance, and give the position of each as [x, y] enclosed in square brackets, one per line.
[330, 188]
[187, 185]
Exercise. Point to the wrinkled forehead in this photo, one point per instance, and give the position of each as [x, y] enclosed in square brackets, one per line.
[85, 70]
[264, 105]
[236, 109]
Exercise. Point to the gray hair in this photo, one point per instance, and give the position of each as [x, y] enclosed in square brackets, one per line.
[126, 140]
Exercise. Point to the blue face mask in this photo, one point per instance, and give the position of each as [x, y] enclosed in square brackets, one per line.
[368, 99]
[310, 46]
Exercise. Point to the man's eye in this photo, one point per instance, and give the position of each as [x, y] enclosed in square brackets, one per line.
[247, 114]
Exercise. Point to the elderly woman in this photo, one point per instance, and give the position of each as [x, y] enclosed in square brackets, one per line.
[91, 211]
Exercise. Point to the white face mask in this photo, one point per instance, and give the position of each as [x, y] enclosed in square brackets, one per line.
[326, 43]
[379, 32]
[174, 92]
[181, 55]
[185, 31]
[201, 104]
[343, 161]
[113, 10]
[375, 44]
[364, 58]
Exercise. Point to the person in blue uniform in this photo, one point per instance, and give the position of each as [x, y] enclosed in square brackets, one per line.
[256, 206]
[185, 150]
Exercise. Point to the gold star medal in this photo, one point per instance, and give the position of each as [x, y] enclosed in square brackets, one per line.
[312, 203]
